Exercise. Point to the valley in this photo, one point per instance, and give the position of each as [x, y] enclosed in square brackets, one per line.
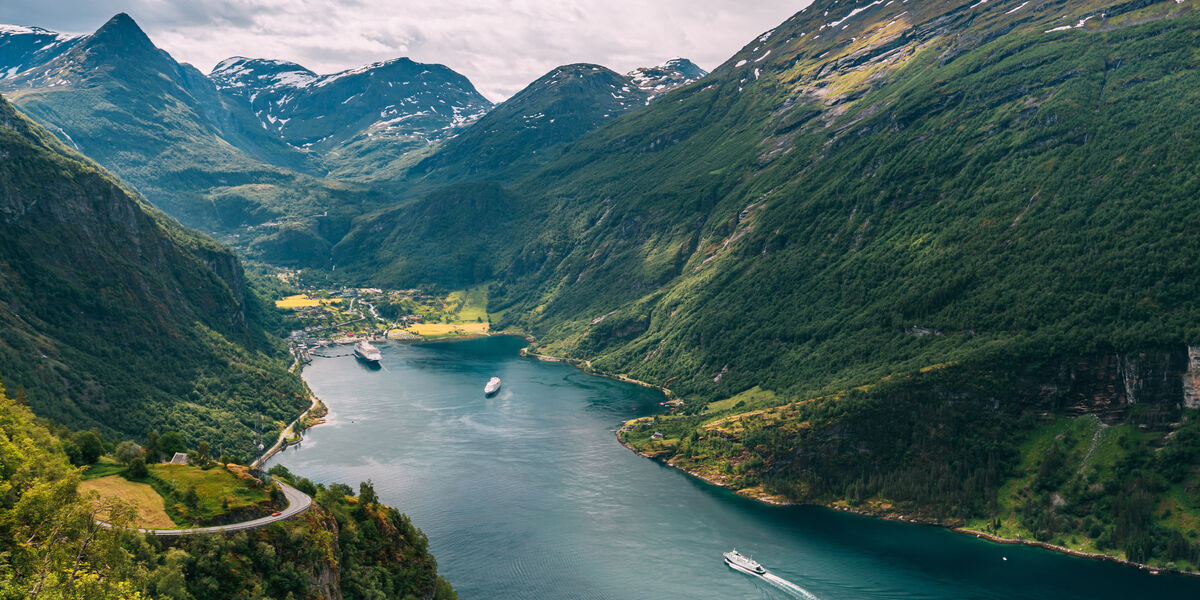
[932, 261]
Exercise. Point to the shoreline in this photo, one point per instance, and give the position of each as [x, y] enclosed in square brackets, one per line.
[902, 518]
[585, 367]
[282, 442]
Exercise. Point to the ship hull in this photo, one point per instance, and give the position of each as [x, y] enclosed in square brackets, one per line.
[371, 362]
[492, 388]
[738, 567]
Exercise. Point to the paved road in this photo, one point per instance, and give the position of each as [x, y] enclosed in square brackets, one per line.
[298, 502]
[283, 435]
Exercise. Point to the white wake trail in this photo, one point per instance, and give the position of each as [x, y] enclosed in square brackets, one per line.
[789, 586]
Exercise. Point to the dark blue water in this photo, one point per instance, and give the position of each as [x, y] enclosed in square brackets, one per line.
[529, 495]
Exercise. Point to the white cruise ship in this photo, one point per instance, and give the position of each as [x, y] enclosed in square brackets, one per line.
[744, 564]
[367, 353]
[493, 386]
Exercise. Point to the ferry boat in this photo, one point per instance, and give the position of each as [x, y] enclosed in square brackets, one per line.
[744, 564]
[367, 353]
[493, 386]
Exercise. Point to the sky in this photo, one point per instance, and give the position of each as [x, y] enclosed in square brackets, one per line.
[500, 45]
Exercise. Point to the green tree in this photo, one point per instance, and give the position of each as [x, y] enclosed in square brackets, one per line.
[170, 443]
[90, 446]
[137, 468]
[366, 493]
[153, 448]
[169, 579]
[127, 451]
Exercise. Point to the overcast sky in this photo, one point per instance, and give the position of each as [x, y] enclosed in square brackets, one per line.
[501, 45]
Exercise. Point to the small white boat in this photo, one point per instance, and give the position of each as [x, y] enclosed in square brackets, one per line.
[744, 564]
[493, 386]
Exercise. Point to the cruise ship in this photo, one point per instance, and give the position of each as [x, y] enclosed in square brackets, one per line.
[744, 564]
[367, 353]
[493, 386]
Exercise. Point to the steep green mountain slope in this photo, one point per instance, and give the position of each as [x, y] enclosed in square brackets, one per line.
[446, 236]
[165, 129]
[115, 317]
[534, 125]
[900, 239]
[50, 546]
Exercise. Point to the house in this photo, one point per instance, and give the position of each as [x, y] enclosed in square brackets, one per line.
[657, 435]
[180, 458]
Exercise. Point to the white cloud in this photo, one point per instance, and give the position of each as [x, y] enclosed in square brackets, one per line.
[501, 45]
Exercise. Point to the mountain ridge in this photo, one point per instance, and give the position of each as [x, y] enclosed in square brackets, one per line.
[97, 284]
[887, 221]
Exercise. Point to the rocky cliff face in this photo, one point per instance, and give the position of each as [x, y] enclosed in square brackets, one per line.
[1109, 385]
[95, 286]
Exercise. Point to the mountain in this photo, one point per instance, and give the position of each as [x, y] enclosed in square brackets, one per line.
[929, 258]
[535, 125]
[365, 123]
[22, 46]
[165, 129]
[395, 98]
[540, 122]
[663, 78]
[116, 318]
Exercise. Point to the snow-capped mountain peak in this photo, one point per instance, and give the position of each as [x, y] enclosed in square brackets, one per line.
[260, 73]
[663, 78]
[394, 97]
[22, 48]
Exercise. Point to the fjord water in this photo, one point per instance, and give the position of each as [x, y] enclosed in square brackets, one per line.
[528, 495]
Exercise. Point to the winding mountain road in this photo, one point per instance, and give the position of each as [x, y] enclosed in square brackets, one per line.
[298, 502]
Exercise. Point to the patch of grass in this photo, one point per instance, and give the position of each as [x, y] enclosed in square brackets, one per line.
[151, 511]
[754, 397]
[444, 330]
[105, 467]
[304, 301]
[217, 492]
[474, 305]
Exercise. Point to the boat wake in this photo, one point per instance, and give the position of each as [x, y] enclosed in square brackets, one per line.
[788, 586]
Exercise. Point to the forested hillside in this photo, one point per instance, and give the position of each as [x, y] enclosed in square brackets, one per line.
[50, 546]
[980, 216]
[117, 318]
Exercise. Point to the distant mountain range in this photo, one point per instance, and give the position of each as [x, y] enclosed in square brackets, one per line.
[266, 154]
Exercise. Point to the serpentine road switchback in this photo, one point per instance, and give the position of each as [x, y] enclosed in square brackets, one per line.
[298, 502]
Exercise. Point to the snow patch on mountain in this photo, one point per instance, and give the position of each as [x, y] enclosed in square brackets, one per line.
[663, 78]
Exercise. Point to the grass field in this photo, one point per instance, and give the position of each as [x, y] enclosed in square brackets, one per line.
[217, 491]
[304, 301]
[435, 330]
[471, 304]
[105, 467]
[151, 511]
[750, 399]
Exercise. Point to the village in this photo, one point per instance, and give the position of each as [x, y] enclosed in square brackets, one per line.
[324, 319]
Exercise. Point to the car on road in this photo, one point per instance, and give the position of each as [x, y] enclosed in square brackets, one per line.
[276, 514]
